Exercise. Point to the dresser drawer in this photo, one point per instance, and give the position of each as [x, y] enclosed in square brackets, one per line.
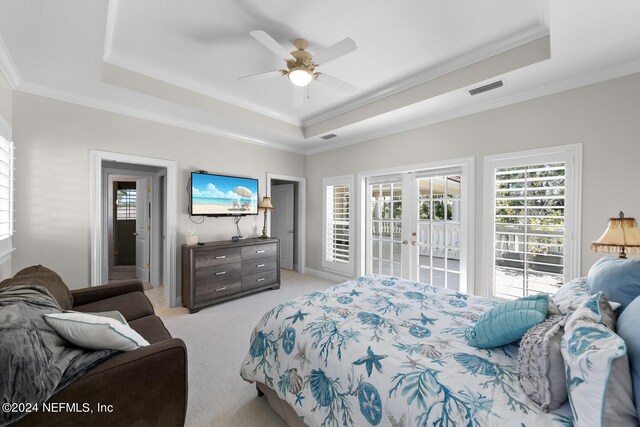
[258, 265]
[219, 290]
[209, 258]
[259, 280]
[259, 251]
[219, 273]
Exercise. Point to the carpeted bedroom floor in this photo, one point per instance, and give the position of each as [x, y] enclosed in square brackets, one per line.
[217, 340]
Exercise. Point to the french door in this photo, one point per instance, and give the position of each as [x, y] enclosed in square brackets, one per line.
[415, 227]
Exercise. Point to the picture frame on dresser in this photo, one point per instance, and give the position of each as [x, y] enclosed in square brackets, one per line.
[220, 271]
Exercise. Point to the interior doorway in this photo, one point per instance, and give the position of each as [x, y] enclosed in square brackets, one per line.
[166, 250]
[135, 230]
[287, 219]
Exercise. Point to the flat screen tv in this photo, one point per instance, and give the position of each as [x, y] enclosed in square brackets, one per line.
[222, 195]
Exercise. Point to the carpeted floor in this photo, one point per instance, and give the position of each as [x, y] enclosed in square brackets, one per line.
[217, 340]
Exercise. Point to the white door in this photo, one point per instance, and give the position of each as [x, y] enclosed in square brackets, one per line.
[282, 217]
[143, 228]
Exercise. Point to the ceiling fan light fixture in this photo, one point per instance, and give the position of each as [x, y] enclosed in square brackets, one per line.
[300, 76]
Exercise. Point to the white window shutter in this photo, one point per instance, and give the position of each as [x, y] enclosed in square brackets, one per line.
[338, 231]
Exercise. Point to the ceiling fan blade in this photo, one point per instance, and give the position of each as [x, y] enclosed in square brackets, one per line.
[334, 83]
[300, 94]
[261, 76]
[335, 51]
[271, 44]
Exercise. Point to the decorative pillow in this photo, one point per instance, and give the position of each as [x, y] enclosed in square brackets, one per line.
[617, 278]
[629, 330]
[508, 322]
[45, 277]
[541, 366]
[571, 295]
[597, 370]
[95, 332]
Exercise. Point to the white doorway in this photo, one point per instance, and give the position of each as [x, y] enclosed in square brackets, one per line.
[283, 221]
[143, 229]
[287, 221]
[161, 258]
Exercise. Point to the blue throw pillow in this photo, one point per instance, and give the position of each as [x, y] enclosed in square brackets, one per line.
[508, 322]
[628, 330]
[617, 278]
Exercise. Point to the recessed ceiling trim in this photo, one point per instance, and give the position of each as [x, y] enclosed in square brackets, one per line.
[7, 67]
[496, 48]
[101, 104]
[112, 12]
[156, 73]
[550, 89]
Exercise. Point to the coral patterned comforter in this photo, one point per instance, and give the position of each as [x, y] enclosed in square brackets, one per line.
[387, 351]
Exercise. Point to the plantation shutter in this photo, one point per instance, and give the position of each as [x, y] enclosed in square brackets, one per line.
[529, 229]
[338, 215]
[6, 189]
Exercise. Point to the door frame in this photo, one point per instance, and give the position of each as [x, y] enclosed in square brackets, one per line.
[97, 219]
[467, 165]
[301, 201]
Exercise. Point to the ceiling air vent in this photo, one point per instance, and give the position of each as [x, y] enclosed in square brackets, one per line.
[329, 136]
[486, 88]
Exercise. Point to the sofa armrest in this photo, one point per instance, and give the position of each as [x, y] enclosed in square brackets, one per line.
[144, 387]
[96, 293]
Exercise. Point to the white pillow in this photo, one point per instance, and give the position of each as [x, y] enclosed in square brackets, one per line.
[95, 332]
[597, 369]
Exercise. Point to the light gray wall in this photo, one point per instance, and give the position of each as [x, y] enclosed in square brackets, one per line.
[52, 177]
[604, 117]
[6, 122]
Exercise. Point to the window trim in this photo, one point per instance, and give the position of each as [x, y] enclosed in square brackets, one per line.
[344, 268]
[6, 244]
[572, 155]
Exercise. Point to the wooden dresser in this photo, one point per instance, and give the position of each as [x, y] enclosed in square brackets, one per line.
[220, 271]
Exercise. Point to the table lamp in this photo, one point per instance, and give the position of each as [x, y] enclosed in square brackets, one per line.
[266, 205]
[622, 236]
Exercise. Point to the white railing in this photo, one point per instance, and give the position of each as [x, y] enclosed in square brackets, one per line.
[440, 239]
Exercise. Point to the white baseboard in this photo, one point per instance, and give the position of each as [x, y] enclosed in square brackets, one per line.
[326, 275]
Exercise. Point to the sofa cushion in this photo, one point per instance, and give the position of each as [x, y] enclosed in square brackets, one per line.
[151, 328]
[45, 277]
[132, 305]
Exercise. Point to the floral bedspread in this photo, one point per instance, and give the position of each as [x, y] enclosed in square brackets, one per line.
[386, 351]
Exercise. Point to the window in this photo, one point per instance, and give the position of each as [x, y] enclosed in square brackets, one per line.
[6, 199]
[126, 203]
[533, 221]
[338, 230]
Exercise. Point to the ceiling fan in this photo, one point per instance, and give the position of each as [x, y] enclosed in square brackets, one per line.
[301, 65]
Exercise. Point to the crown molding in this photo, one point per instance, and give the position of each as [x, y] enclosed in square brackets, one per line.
[8, 67]
[100, 104]
[174, 79]
[550, 89]
[493, 49]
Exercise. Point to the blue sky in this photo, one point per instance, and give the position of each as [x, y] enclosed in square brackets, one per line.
[221, 187]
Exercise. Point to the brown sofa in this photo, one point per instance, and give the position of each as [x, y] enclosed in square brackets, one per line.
[144, 387]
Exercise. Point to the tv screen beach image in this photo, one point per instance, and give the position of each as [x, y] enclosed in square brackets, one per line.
[223, 195]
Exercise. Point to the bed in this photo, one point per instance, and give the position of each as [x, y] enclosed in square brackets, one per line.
[386, 351]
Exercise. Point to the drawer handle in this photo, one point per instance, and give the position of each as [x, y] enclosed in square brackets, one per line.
[260, 251]
[221, 289]
[220, 273]
[221, 257]
[260, 265]
[260, 279]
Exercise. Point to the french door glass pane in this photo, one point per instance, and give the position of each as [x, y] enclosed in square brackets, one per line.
[438, 230]
[386, 228]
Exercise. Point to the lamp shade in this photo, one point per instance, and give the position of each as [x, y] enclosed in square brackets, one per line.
[266, 203]
[622, 236]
